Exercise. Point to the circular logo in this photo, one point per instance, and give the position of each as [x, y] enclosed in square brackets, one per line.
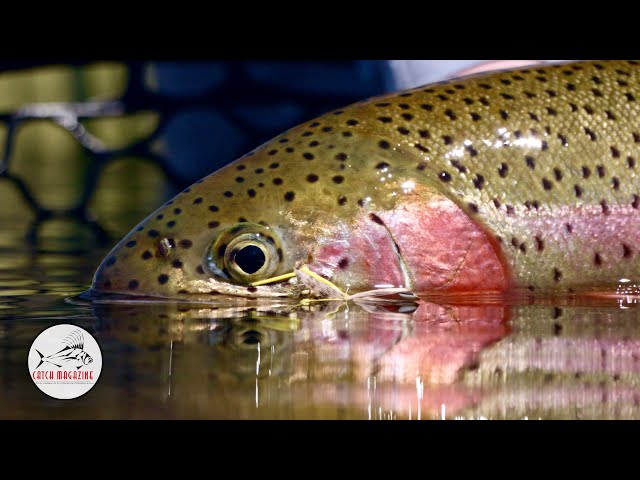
[65, 361]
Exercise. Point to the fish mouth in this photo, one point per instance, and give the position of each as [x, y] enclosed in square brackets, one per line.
[199, 291]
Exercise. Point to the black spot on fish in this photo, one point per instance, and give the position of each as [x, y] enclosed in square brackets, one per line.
[146, 255]
[631, 162]
[338, 179]
[557, 173]
[251, 192]
[382, 165]
[503, 170]
[176, 264]
[578, 190]
[444, 176]
[239, 179]
[308, 156]
[252, 289]
[601, 171]
[341, 156]
[447, 140]
[531, 162]
[478, 182]
[626, 251]
[586, 172]
[385, 119]
[213, 208]
[228, 194]
[197, 200]
[185, 243]
[557, 275]
[615, 153]
[635, 202]
[563, 140]
[605, 207]
[539, 243]
[277, 181]
[384, 144]
[546, 184]
[213, 224]
[403, 131]
[473, 207]
[110, 261]
[171, 223]
[289, 196]
[133, 284]
[162, 279]
[615, 183]
[591, 133]
[343, 263]
[342, 200]
[312, 178]
[407, 116]
[569, 227]
[458, 166]
[421, 148]
[597, 260]
[241, 167]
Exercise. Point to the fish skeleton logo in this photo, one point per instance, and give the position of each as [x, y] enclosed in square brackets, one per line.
[65, 361]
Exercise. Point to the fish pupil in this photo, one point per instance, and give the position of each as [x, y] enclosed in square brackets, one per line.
[250, 259]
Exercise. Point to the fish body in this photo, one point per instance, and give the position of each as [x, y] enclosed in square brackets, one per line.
[67, 357]
[521, 179]
[71, 355]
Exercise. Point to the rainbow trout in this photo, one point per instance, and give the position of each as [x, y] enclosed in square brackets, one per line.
[522, 179]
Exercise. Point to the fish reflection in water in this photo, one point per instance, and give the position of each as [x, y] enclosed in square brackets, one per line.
[331, 360]
[343, 360]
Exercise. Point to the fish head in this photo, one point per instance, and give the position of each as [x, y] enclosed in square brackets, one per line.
[316, 196]
[87, 359]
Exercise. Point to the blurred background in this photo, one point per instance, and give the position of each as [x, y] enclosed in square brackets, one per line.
[90, 148]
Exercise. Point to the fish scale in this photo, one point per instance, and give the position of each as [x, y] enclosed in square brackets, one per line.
[543, 160]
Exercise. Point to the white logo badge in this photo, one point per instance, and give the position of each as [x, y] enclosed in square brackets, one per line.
[65, 361]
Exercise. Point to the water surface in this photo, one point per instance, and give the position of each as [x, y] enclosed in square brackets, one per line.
[329, 361]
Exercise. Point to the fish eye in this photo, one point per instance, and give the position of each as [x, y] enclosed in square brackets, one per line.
[246, 253]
